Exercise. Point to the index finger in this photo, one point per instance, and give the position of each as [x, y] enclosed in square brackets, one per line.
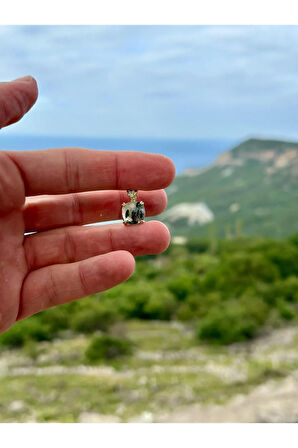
[67, 170]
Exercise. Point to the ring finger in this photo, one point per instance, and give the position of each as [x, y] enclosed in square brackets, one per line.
[72, 244]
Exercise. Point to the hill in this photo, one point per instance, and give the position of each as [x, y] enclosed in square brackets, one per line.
[251, 190]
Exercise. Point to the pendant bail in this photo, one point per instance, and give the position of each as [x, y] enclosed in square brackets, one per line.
[132, 194]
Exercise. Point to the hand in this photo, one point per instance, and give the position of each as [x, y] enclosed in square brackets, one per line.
[54, 192]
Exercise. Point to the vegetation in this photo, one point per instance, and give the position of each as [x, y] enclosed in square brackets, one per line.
[167, 371]
[228, 290]
[248, 196]
[105, 348]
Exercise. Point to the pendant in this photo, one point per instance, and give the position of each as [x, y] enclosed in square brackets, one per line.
[133, 212]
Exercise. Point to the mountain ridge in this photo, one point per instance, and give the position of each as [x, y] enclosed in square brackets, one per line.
[251, 189]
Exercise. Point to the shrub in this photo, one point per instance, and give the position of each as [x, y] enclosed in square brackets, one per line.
[185, 312]
[24, 331]
[56, 318]
[160, 305]
[198, 245]
[288, 289]
[285, 310]
[294, 239]
[285, 257]
[240, 271]
[104, 348]
[202, 304]
[182, 286]
[145, 300]
[93, 318]
[233, 322]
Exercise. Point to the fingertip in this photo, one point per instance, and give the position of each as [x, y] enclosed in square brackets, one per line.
[160, 171]
[27, 78]
[29, 86]
[163, 201]
[162, 236]
[16, 99]
[157, 202]
[34, 88]
[171, 171]
[125, 263]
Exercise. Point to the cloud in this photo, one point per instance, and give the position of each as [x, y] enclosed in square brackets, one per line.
[170, 81]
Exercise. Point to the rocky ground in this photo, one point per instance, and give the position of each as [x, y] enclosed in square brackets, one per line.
[170, 378]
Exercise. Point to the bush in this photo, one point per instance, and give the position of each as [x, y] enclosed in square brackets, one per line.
[198, 245]
[285, 258]
[145, 300]
[185, 312]
[182, 286]
[93, 318]
[233, 322]
[202, 304]
[285, 310]
[26, 330]
[56, 318]
[294, 239]
[104, 348]
[239, 271]
[160, 306]
[288, 289]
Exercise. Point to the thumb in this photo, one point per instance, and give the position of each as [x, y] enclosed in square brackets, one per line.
[16, 98]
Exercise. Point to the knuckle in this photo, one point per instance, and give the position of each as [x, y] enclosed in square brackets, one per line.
[12, 190]
[76, 207]
[83, 279]
[69, 246]
[71, 171]
[52, 291]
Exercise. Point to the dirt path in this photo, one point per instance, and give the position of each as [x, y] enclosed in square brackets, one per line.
[274, 401]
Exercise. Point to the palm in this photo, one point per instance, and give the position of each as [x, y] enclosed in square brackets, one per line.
[53, 193]
[13, 264]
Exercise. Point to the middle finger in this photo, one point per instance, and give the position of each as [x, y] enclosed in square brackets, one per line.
[47, 212]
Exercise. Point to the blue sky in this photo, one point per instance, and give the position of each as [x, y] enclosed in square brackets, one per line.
[171, 81]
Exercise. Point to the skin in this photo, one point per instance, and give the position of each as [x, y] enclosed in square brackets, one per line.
[53, 193]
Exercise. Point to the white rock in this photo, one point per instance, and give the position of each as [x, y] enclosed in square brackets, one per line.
[227, 172]
[145, 417]
[180, 240]
[195, 213]
[17, 406]
[234, 207]
[94, 417]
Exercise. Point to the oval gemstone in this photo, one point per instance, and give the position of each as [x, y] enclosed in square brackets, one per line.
[133, 212]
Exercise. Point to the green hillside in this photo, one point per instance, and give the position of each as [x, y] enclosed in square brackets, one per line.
[250, 190]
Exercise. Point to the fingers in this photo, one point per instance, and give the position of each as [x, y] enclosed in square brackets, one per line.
[67, 170]
[57, 284]
[46, 212]
[16, 98]
[71, 244]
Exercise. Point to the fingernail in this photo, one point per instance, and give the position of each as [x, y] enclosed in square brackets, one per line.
[24, 79]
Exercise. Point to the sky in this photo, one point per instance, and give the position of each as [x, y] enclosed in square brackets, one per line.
[156, 81]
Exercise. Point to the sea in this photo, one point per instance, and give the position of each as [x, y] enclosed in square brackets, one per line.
[184, 153]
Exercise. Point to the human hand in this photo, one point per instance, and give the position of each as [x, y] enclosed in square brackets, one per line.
[55, 192]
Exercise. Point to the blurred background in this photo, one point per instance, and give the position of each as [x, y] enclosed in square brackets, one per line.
[207, 331]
